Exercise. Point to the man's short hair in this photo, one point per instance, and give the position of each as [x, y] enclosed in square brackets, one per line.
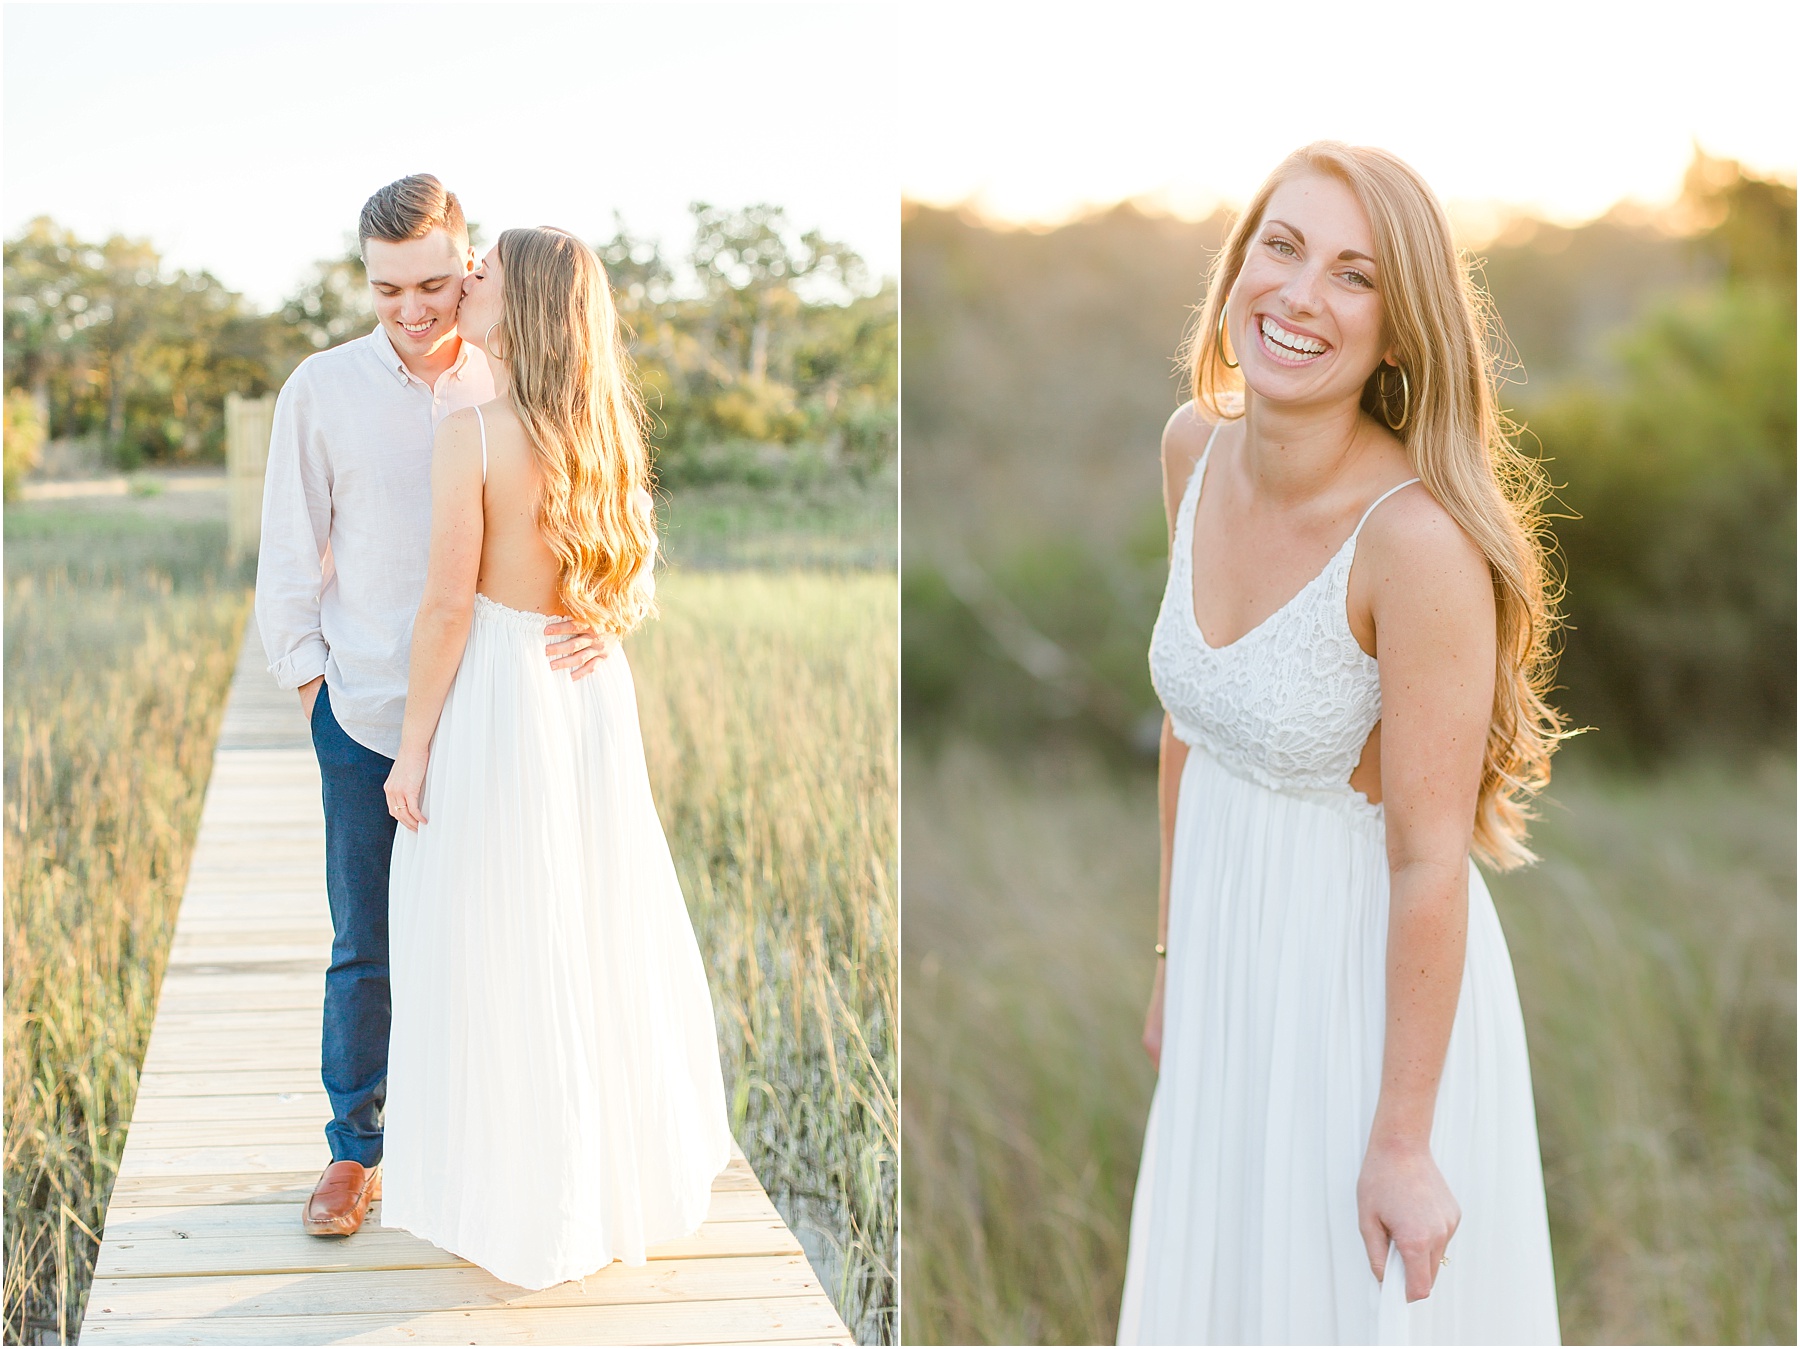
[410, 208]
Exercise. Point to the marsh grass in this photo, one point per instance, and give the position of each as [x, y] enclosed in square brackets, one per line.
[769, 708]
[1655, 955]
[768, 704]
[838, 521]
[121, 634]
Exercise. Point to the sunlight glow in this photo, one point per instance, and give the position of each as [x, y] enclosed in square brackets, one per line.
[1558, 109]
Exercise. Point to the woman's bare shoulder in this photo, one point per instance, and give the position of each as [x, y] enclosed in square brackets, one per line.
[1412, 535]
[1185, 435]
[457, 433]
[1184, 439]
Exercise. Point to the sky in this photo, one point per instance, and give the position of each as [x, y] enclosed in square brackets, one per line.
[1036, 114]
[244, 138]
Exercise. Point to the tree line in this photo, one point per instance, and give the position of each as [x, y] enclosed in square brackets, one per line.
[762, 345]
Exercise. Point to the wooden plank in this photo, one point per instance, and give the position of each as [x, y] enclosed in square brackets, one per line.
[256, 915]
[132, 1190]
[785, 1320]
[293, 1250]
[297, 1010]
[186, 1133]
[187, 1081]
[247, 972]
[273, 1105]
[227, 1045]
[196, 999]
[219, 1026]
[268, 1187]
[209, 1160]
[248, 983]
[192, 1221]
[298, 1055]
[464, 1287]
[203, 1243]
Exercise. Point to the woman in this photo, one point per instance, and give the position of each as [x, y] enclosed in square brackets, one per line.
[1342, 1146]
[554, 1097]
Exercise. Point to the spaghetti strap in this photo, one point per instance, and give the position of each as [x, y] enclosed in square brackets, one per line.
[1377, 501]
[1198, 473]
[482, 422]
[1205, 453]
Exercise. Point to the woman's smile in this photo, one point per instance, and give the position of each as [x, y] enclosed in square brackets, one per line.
[1289, 346]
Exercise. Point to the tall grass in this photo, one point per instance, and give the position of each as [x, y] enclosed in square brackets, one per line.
[838, 520]
[1030, 905]
[769, 706]
[121, 635]
[1655, 954]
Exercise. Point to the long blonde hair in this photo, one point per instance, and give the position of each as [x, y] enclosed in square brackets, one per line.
[1440, 323]
[572, 386]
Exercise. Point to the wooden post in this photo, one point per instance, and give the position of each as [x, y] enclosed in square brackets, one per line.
[248, 422]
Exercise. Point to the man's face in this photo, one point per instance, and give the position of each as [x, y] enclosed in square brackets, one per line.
[416, 286]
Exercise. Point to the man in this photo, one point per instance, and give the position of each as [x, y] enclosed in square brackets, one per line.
[345, 541]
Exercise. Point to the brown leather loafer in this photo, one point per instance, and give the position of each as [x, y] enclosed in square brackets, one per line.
[341, 1199]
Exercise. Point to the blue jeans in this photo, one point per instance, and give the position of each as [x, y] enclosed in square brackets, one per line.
[359, 842]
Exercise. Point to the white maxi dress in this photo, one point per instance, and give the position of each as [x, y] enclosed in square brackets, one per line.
[1244, 1226]
[554, 1099]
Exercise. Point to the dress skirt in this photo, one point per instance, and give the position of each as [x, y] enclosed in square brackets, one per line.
[554, 1095]
[1244, 1226]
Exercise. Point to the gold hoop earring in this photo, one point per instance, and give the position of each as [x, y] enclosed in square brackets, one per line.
[1219, 341]
[487, 340]
[1405, 399]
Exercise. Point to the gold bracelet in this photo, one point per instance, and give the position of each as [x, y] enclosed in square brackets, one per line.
[1161, 950]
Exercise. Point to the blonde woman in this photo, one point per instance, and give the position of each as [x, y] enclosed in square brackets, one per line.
[554, 1098]
[1351, 655]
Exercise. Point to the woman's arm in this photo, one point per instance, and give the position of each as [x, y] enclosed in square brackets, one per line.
[1170, 762]
[1432, 602]
[1184, 439]
[441, 629]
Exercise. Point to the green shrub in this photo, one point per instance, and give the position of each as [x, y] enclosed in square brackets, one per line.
[1680, 558]
[24, 439]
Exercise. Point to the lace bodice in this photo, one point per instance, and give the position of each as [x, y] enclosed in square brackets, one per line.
[1291, 702]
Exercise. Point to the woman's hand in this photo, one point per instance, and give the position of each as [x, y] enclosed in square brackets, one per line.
[1401, 1196]
[404, 786]
[1153, 1019]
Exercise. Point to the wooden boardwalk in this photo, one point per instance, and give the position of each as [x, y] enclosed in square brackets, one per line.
[203, 1243]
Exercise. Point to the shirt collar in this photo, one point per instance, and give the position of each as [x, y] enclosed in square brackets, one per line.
[462, 359]
[383, 347]
[390, 360]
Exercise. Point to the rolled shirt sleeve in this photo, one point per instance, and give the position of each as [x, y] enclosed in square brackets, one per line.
[293, 559]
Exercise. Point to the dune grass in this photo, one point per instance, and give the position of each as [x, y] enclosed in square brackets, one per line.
[768, 705]
[1655, 954]
[1654, 947]
[121, 635]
